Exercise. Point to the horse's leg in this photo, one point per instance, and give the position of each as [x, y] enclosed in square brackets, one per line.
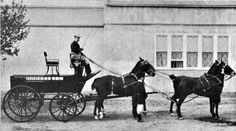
[98, 106]
[95, 109]
[173, 99]
[100, 110]
[134, 111]
[134, 106]
[140, 107]
[145, 109]
[103, 109]
[178, 110]
[217, 106]
[212, 107]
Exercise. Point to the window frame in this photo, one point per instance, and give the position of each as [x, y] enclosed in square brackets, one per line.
[185, 51]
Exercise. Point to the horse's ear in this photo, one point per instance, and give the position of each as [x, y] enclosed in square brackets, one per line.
[141, 59]
[217, 62]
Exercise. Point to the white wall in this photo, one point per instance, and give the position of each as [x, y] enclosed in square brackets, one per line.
[119, 34]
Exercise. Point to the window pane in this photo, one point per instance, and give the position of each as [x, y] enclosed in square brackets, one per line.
[222, 44]
[176, 55]
[161, 43]
[207, 43]
[222, 56]
[176, 64]
[161, 59]
[192, 59]
[207, 59]
[192, 43]
[177, 43]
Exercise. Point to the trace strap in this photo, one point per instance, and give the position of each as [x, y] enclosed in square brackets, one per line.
[166, 96]
[159, 91]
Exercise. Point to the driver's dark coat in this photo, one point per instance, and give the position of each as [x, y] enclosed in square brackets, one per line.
[75, 47]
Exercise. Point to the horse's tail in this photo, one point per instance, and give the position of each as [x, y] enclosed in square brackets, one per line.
[172, 77]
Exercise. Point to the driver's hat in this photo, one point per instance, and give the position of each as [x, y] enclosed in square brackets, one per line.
[77, 35]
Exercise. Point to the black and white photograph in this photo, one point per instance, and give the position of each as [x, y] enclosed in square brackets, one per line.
[118, 65]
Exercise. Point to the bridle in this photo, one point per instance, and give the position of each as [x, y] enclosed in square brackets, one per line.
[227, 75]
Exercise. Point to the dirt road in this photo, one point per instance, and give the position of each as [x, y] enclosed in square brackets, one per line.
[119, 118]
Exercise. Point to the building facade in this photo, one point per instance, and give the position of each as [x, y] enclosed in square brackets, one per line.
[181, 37]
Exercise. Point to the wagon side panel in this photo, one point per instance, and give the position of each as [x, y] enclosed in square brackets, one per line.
[49, 84]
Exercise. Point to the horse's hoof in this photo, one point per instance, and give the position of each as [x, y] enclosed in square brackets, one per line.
[140, 120]
[96, 117]
[145, 114]
[217, 118]
[180, 118]
[172, 114]
[101, 115]
[104, 114]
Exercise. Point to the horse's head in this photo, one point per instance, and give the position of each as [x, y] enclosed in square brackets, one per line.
[225, 69]
[143, 66]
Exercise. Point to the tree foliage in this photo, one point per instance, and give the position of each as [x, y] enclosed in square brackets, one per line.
[13, 28]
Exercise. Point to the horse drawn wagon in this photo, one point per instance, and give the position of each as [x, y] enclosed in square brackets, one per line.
[28, 92]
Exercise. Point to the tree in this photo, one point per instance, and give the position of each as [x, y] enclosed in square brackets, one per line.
[13, 28]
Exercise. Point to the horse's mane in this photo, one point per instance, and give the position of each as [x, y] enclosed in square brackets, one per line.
[136, 69]
[213, 69]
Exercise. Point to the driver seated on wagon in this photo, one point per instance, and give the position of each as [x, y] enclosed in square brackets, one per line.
[76, 54]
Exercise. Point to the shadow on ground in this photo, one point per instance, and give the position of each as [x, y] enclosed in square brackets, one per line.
[215, 120]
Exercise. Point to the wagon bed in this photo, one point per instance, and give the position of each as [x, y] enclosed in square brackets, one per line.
[49, 83]
[28, 93]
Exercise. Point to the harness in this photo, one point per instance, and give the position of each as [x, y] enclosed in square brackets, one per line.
[205, 81]
[125, 86]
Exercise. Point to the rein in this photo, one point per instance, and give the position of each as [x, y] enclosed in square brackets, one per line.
[116, 73]
[162, 73]
[102, 67]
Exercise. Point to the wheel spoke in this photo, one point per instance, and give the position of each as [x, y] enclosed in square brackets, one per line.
[63, 115]
[59, 113]
[29, 109]
[56, 110]
[69, 111]
[33, 106]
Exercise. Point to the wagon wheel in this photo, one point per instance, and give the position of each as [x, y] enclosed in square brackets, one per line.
[21, 103]
[63, 107]
[80, 101]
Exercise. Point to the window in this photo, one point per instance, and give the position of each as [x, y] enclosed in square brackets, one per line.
[207, 51]
[192, 59]
[177, 52]
[192, 51]
[222, 48]
[161, 59]
[222, 56]
[161, 51]
[207, 59]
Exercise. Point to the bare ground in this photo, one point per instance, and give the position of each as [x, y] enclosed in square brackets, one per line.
[119, 117]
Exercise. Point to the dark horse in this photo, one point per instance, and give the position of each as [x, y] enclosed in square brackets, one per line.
[127, 85]
[208, 85]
